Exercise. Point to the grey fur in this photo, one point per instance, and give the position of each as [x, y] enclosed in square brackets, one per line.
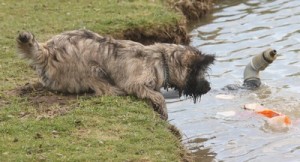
[83, 61]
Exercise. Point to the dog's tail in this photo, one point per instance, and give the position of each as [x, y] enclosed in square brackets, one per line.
[27, 45]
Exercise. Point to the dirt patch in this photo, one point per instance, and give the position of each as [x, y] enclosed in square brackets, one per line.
[38, 95]
[165, 34]
[177, 33]
[47, 104]
[193, 9]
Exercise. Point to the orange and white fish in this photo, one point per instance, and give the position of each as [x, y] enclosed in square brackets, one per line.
[275, 120]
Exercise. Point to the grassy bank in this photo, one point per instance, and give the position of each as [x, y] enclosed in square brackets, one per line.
[86, 129]
[42, 126]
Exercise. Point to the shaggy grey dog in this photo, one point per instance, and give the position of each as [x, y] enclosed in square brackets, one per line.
[82, 61]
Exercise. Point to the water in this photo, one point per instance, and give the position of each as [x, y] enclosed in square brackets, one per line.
[234, 32]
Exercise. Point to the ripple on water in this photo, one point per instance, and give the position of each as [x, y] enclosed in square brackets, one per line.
[238, 30]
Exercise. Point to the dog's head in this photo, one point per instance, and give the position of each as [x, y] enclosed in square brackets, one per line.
[190, 67]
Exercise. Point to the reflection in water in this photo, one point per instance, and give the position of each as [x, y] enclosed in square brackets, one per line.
[200, 152]
[235, 32]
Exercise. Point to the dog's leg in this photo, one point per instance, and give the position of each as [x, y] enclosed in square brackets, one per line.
[156, 98]
[101, 83]
[108, 90]
[102, 87]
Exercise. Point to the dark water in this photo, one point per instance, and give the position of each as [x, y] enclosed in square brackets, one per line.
[220, 130]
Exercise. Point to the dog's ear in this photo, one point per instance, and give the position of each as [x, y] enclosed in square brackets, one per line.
[205, 60]
[195, 59]
[200, 61]
[188, 59]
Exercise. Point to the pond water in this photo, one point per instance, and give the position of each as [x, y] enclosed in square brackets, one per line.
[221, 130]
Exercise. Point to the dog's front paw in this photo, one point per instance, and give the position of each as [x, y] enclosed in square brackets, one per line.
[25, 37]
[162, 110]
[163, 113]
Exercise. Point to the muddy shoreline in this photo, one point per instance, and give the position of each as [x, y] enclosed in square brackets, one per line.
[191, 11]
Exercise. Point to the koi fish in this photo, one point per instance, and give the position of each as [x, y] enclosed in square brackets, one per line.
[275, 120]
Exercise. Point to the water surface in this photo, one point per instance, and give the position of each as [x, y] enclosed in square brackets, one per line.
[234, 32]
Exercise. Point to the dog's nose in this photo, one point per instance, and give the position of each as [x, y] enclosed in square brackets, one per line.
[208, 89]
[204, 86]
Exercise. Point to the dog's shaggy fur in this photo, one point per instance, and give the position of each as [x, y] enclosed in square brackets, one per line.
[83, 61]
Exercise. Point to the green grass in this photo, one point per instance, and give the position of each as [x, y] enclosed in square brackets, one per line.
[102, 16]
[83, 128]
[103, 129]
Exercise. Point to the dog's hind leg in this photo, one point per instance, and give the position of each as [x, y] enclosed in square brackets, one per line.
[102, 87]
[101, 83]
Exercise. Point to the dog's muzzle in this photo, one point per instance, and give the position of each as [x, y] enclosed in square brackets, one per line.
[196, 89]
[202, 87]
